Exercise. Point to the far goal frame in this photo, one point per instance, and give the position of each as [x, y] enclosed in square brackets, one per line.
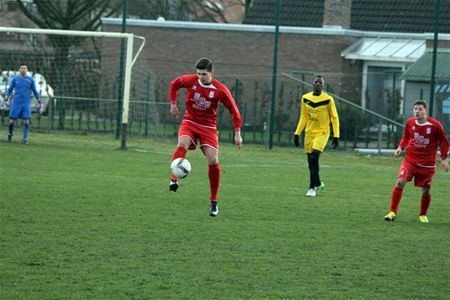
[129, 60]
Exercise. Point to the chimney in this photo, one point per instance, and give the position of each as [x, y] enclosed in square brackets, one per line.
[337, 13]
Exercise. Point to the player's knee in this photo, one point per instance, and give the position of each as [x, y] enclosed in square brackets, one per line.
[315, 154]
[426, 191]
[400, 183]
[184, 143]
[214, 160]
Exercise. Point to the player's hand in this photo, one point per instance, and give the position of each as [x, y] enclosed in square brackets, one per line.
[397, 152]
[335, 142]
[296, 140]
[238, 139]
[174, 110]
[444, 165]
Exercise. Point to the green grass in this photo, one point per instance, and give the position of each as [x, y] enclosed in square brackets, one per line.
[81, 219]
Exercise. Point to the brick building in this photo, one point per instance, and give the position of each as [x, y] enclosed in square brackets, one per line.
[361, 48]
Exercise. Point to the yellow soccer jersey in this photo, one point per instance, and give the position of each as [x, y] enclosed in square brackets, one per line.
[316, 112]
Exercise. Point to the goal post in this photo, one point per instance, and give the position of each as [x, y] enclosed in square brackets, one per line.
[63, 50]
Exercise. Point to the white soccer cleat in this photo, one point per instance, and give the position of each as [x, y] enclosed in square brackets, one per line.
[311, 193]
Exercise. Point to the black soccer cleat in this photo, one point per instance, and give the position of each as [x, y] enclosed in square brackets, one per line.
[213, 208]
[173, 185]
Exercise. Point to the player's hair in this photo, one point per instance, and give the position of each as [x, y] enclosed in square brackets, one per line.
[421, 102]
[204, 64]
[319, 77]
[23, 64]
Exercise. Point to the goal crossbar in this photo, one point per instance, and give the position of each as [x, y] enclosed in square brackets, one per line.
[66, 32]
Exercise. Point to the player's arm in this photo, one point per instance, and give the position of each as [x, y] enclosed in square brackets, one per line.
[334, 122]
[10, 89]
[34, 90]
[237, 137]
[230, 104]
[301, 123]
[174, 87]
[334, 118]
[403, 142]
[443, 145]
[303, 118]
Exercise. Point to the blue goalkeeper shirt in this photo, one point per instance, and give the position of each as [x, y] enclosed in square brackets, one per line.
[21, 103]
[23, 86]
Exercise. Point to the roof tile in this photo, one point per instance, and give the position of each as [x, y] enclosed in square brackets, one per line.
[368, 15]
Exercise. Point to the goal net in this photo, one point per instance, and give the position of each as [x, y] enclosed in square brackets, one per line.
[88, 81]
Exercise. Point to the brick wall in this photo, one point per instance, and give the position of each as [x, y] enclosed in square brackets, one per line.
[171, 52]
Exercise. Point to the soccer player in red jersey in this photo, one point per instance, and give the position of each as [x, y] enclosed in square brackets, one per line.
[421, 138]
[199, 125]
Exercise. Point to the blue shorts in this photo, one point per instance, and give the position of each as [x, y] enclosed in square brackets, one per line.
[20, 111]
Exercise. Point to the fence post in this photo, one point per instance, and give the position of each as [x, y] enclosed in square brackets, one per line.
[147, 105]
[380, 136]
[236, 99]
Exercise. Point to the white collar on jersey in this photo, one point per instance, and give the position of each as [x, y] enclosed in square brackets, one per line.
[423, 124]
[210, 86]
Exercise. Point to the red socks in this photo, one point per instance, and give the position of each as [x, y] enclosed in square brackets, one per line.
[179, 152]
[213, 173]
[395, 199]
[424, 204]
[214, 180]
[397, 196]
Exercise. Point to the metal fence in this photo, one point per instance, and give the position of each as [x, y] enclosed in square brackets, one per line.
[150, 116]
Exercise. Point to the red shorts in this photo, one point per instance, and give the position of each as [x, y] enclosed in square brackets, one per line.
[422, 175]
[207, 136]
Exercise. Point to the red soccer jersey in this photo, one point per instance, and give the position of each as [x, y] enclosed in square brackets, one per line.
[422, 140]
[202, 100]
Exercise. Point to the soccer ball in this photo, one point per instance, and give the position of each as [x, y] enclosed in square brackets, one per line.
[181, 167]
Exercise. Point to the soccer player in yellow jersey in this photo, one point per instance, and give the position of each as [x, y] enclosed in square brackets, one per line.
[317, 110]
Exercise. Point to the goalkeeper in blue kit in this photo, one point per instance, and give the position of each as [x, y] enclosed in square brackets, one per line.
[20, 108]
[317, 110]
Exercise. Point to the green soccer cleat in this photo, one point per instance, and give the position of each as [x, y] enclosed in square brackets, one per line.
[390, 216]
[424, 219]
[319, 188]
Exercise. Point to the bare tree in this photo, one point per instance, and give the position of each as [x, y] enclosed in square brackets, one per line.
[69, 14]
[152, 9]
[82, 15]
[195, 10]
[221, 11]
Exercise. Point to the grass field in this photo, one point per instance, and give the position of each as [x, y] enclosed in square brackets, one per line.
[81, 219]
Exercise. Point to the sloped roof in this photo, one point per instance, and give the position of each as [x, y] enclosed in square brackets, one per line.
[306, 13]
[399, 15]
[415, 16]
[421, 69]
[386, 49]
